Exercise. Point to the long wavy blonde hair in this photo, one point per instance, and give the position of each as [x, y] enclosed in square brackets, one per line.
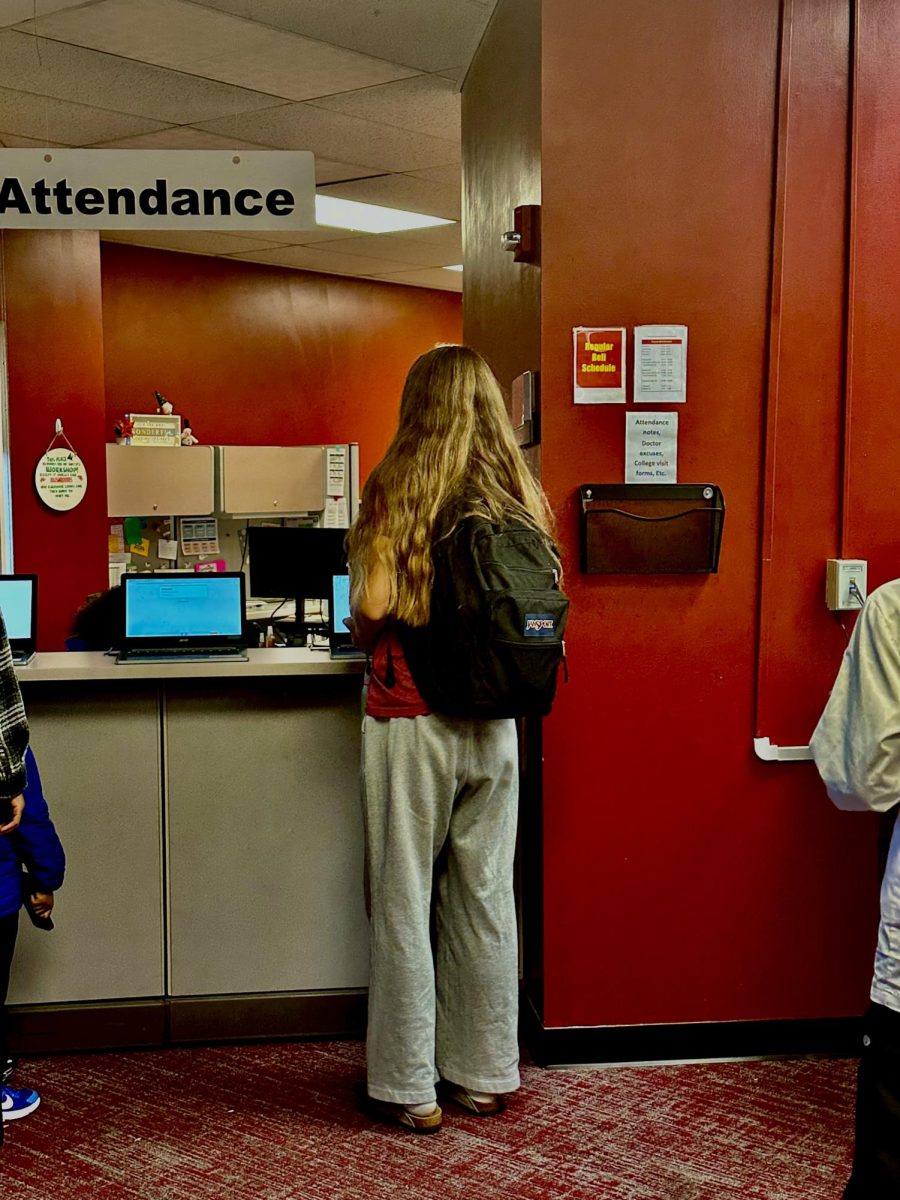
[454, 454]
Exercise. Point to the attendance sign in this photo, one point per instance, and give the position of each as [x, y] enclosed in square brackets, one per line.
[157, 189]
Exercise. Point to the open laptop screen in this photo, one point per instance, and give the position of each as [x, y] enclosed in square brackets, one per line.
[181, 608]
[18, 601]
[340, 603]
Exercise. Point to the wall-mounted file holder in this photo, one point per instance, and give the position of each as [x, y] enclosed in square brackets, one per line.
[650, 528]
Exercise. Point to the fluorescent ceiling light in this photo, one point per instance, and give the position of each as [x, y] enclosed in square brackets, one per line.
[370, 218]
[455, 267]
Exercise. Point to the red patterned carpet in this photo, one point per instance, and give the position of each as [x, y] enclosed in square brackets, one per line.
[276, 1122]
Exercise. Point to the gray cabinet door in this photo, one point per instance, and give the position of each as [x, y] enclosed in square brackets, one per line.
[97, 748]
[264, 837]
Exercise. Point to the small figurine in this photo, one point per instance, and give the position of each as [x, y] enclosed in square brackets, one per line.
[187, 436]
[124, 430]
[165, 406]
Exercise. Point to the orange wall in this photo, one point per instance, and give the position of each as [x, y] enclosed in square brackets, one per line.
[260, 355]
[250, 354]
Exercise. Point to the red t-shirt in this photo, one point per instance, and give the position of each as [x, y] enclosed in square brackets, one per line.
[404, 698]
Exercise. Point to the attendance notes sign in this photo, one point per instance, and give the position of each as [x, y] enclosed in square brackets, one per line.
[157, 189]
[599, 365]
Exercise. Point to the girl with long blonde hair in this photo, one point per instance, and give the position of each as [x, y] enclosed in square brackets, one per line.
[440, 792]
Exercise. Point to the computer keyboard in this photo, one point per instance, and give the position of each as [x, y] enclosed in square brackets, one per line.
[174, 654]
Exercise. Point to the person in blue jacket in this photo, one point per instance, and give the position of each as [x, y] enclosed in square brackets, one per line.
[32, 866]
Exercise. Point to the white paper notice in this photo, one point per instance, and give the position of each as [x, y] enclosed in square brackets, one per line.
[651, 447]
[167, 549]
[660, 364]
[336, 515]
[335, 471]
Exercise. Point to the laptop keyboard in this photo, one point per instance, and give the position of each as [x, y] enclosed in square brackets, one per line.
[178, 654]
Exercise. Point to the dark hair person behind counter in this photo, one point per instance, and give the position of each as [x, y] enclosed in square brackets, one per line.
[100, 622]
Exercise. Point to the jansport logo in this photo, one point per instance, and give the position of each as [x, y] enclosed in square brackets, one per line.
[539, 625]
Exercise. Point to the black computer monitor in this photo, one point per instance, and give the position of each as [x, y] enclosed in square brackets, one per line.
[294, 564]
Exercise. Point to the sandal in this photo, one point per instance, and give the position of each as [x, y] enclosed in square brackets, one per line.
[397, 1114]
[457, 1094]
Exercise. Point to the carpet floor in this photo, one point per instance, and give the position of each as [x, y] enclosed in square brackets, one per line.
[277, 1122]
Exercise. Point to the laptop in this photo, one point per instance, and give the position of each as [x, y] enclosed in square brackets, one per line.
[18, 603]
[339, 641]
[184, 618]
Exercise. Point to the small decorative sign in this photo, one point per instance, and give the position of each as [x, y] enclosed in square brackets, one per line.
[154, 429]
[60, 477]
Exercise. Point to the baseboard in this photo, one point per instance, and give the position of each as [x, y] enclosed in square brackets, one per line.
[700, 1040]
[142, 1024]
[267, 1017]
[92, 1025]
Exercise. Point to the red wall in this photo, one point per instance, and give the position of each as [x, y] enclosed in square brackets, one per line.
[685, 880]
[259, 355]
[51, 303]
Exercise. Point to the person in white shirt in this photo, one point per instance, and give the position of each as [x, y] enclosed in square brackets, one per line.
[856, 747]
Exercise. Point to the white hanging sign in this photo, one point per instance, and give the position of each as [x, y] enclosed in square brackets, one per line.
[157, 189]
[60, 477]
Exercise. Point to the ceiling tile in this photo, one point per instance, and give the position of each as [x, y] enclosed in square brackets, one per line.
[447, 237]
[337, 172]
[72, 73]
[201, 41]
[69, 124]
[16, 141]
[308, 237]
[425, 104]
[337, 136]
[397, 248]
[318, 258]
[14, 11]
[447, 281]
[431, 35]
[194, 242]
[401, 191]
[179, 137]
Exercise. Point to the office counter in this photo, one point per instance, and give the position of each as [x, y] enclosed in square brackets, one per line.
[210, 814]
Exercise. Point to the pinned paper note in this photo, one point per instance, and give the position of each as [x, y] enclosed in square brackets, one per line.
[335, 471]
[167, 549]
[142, 547]
[660, 364]
[132, 530]
[598, 364]
[336, 514]
[651, 447]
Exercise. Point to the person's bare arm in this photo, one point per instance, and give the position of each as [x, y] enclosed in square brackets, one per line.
[371, 613]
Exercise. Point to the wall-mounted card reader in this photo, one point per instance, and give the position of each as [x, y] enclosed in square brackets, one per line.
[845, 584]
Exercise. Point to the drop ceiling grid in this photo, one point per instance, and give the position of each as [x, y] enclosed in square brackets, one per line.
[406, 130]
[200, 41]
[65, 72]
[430, 35]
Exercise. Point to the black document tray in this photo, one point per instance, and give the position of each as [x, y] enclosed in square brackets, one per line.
[650, 528]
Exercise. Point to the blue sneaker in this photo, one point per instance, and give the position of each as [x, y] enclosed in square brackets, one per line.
[18, 1102]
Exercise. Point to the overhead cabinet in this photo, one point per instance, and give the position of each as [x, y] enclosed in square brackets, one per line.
[271, 480]
[143, 480]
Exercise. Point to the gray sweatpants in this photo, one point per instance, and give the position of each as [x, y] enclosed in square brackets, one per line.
[440, 799]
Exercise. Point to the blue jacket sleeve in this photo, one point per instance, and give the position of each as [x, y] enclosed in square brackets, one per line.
[36, 841]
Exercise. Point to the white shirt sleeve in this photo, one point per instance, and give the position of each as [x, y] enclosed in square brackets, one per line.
[856, 744]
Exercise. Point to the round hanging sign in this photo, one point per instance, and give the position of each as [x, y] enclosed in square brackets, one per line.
[61, 479]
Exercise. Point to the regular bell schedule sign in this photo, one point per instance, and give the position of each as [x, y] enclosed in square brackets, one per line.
[157, 189]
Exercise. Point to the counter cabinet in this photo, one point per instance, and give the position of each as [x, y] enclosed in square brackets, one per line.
[214, 838]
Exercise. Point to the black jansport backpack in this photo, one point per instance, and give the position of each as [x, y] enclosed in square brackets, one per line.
[494, 640]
